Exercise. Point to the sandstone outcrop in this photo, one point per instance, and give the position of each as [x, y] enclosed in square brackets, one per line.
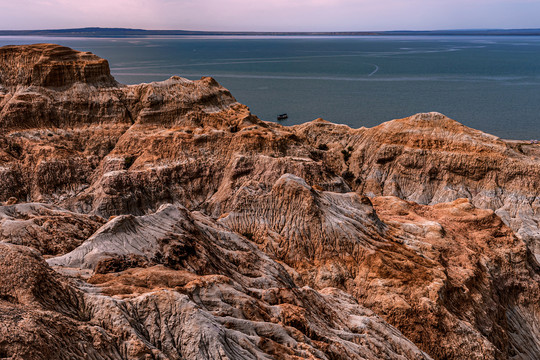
[429, 158]
[181, 226]
[47, 65]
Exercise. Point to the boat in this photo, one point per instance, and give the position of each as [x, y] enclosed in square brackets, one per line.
[281, 117]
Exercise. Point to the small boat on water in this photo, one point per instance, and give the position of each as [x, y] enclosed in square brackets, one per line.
[282, 117]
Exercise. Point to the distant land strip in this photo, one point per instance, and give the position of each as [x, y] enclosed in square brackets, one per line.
[111, 32]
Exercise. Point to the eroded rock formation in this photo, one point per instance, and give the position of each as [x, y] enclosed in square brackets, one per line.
[180, 226]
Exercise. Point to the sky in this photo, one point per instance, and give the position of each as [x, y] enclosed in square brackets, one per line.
[270, 15]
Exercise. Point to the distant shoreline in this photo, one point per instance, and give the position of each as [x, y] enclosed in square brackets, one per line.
[110, 32]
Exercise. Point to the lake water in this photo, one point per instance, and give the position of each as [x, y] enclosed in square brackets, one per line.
[489, 83]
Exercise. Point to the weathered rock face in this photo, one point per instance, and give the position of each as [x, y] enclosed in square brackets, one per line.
[50, 86]
[481, 261]
[429, 158]
[235, 238]
[218, 297]
[433, 272]
[49, 229]
[49, 65]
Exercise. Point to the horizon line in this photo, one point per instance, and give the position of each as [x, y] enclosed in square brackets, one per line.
[104, 29]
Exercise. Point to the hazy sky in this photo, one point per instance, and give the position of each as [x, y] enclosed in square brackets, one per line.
[279, 15]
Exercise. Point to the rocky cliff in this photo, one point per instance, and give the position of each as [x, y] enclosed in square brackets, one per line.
[177, 225]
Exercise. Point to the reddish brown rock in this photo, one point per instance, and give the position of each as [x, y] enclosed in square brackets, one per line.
[49, 65]
[120, 263]
[41, 314]
[429, 158]
[239, 238]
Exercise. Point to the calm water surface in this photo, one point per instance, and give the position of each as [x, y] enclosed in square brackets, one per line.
[489, 83]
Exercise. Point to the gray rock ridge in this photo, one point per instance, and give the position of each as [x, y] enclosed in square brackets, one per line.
[254, 311]
[47, 228]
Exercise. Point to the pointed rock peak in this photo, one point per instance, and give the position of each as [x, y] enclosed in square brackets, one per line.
[51, 65]
[291, 180]
[431, 119]
[210, 81]
[428, 123]
[430, 116]
[321, 120]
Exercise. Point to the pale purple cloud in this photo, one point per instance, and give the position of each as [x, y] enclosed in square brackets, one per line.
[274, 15]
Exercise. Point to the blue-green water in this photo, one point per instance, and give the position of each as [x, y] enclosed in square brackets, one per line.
[489, 83]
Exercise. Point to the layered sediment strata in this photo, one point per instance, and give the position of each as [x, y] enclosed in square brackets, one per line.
[185, 227]
[52, 66]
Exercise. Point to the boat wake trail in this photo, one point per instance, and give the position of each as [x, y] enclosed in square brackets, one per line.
[374, 71]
